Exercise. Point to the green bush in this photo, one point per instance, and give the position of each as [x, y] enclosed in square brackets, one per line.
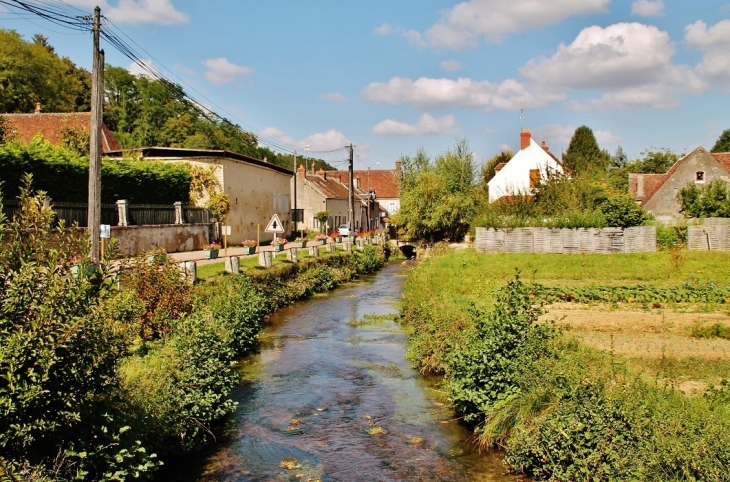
[674, 236]
[623, 212]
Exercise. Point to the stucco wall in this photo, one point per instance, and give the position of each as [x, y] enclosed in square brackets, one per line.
[172, 237]
[514, 177]
[664, 203]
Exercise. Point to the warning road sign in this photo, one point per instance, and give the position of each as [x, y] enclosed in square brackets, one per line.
[274, 225]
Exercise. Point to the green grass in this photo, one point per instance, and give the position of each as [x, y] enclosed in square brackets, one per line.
[251, 263]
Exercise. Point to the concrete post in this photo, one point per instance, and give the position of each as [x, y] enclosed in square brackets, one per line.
[347, 246]
[123, 210]
[331, 247]
[314, 251]
[265, 259]
[292, 255]
[178, 212]
[190, 271]
[231, 265]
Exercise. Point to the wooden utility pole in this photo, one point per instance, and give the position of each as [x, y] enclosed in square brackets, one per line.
[351, 219]
[294, 214]
[97, 106]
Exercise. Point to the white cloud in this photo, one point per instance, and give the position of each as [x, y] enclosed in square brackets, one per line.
[632, 61]
[427, 124]
[221, 71]
[427, 93]
[137, 11]
[714, 43]
[384, 30]
[463, 25]
[506, 148]
[278, 135]
[320, 141]
[451, 65]
[334, 97]
[647, 8]
[136, 69]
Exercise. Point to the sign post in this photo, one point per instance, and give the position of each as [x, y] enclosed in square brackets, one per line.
[226, 232]
[105, 232]
[274, 226]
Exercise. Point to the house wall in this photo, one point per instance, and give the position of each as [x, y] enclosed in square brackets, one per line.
[386, 204]
[255, 193]
[664, 204]
[514, 177]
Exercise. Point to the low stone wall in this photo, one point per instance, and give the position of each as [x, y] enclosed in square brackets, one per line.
[172, 237]
[710, 237]
[566, 241]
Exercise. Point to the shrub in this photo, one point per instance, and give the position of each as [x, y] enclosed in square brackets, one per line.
[623, 212]
[674, 236]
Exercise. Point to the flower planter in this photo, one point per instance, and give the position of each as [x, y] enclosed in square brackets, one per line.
[88, 269]
[278, 247]
[210, 253]
[338, 239]
[322, 241]
[249, 249]
[302, 244]
[159, 258]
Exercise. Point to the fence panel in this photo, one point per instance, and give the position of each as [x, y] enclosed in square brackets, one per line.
[140, 214]
[195, 215]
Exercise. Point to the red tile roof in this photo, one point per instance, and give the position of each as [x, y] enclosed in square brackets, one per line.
[50, 126]
[329, 186]
[383, 181]
[723, 158]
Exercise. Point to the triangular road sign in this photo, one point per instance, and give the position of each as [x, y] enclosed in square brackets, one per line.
[274, 225]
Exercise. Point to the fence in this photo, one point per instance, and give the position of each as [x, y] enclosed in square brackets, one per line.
[712, 237]
[566, 241]
[137, 214]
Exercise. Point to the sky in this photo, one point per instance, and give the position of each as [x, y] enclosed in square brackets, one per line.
[392, 77]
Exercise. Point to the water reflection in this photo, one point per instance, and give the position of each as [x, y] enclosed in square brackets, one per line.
[331, 397]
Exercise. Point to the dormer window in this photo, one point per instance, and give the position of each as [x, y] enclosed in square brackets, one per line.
[700, 176]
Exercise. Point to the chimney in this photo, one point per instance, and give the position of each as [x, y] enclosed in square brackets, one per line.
[266, 160]
[640, 187]
[544, 146]
[357, 183]
[397, 165]
[37, 107]
[525, 138]
[321, 173]
[312, 167]
[300, 172]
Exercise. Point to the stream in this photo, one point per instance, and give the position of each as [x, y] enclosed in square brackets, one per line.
[330, 397]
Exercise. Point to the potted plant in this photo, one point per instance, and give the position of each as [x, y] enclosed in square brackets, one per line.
[82, 265]
[301, 242]
[278, 244]
[249, 246]
[337, 237]
[322, 238]
[211, 250]
[157, 256]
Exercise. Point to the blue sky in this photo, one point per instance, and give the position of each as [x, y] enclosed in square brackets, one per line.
[394, 76]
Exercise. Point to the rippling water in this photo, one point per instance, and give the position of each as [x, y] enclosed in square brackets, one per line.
[331, 398]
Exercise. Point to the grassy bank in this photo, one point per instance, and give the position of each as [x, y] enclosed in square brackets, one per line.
[624, 364]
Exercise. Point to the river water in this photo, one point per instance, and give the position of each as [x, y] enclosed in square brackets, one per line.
[330, 397]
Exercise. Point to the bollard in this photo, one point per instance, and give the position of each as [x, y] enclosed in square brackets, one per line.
[331, 247]
[189, 271]
[232, 266]
[265, 259]
[347, 246]
[314, 251]
[292, 255]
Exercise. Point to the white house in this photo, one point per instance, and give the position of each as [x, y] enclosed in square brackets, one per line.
[522, 173]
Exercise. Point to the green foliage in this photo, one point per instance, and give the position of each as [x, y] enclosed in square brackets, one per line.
[715, 330]
[32, 72]
[58, 354]
[63, 175]
[723, 142]
[652, 161]
[438, 199]
[710, 200]
[623, 212]
[673, 236]
[322, 217]
[584, 157]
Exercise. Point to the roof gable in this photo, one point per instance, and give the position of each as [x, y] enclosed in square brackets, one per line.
[50, 126]
[513, 177]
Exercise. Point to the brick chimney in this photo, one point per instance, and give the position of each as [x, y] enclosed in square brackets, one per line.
[525, 138]
[322, 174]
[300, 172]
[544, 146]
[37, 107]
[312, 167]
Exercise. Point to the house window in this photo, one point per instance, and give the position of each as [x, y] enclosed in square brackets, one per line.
[534, 177]
[700, 176]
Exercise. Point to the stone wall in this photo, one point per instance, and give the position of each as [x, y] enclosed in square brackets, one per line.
[172, 237]
[566, 241]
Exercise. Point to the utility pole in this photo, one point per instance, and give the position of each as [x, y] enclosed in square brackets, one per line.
[352, 194]
[97, 106]
[296, 174]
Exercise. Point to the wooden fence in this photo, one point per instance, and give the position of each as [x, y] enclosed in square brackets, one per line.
[566, 241]
[710, 237]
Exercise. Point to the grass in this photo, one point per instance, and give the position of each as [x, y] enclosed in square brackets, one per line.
[251, 263]
[685, 344]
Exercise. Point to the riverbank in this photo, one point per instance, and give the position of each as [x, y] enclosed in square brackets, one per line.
[571, 396]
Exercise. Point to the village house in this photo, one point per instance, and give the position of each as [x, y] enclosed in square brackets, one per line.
[56, 128]
[657, 193]
[327, 191]
[256, 189]
[523, 172]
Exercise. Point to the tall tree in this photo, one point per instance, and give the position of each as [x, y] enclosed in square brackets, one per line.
[583, 156]
[723, 142]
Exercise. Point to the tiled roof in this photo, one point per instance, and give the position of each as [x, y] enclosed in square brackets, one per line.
[49, 125]
[723, 158]
[328, 186]
[383, 181]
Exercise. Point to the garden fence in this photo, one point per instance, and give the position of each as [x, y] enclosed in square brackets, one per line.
[709, 237]
[566, 241]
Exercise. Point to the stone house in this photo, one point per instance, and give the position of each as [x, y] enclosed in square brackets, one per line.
[325, 191]
[257, 190]
[520, 175]
[53, 127]
[657, 193]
